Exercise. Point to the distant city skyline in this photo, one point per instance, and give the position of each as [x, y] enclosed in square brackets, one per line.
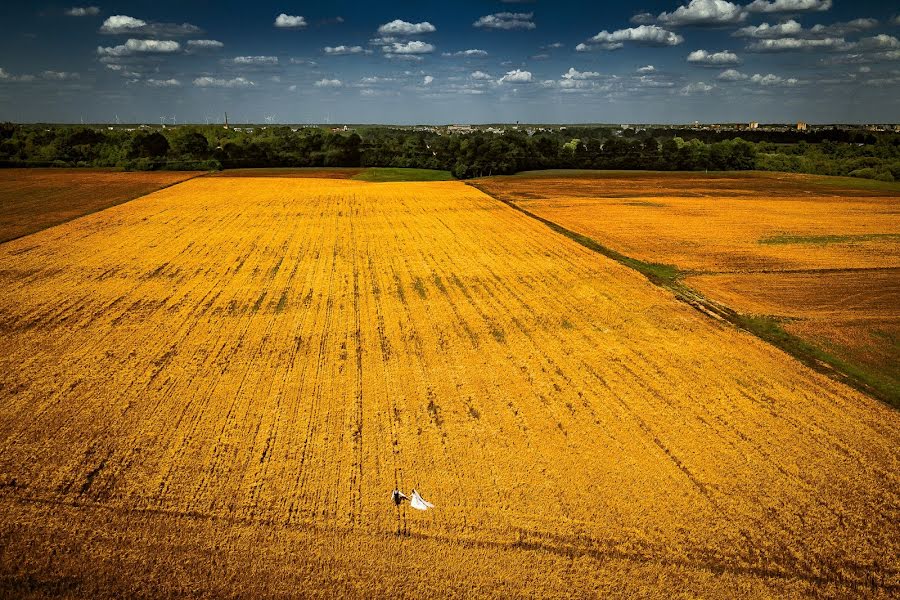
[770, 61]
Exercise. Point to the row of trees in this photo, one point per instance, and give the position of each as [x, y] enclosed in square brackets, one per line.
[465, 155]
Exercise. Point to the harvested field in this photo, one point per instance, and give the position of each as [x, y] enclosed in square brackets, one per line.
[213, 390]
[773, 222]
[851, 314]
[34, 199]
[823, 252]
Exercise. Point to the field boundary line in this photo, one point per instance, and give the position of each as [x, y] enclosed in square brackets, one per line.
[99, 210]
[766, 328]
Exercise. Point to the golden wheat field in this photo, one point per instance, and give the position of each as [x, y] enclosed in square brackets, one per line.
[212, 390]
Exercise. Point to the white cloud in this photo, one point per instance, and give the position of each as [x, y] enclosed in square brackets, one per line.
[400, 27]
[205, 44]
[83, 11]
[506, 20]
[473, 53]
[59, 75]
[773, 80]
[255, 60]
[764, 30]
[303, 61]
[123, 24]
[344, 50]
[879, 42]
[163, 83]
[415, 47]
[237, 82]
[647, 35]
[795, 44]
[427, 80]
[792, 28]
[480, 75]
[704, 12]
[732, 75]
[713, 59]
[696, 88]
[516, 76]
[647, 69]
[788, 6]
[583, 48]
[328, 83]
[285, 21]
[9, 77]
[133, 46]
[643, 18]
[120, 23]
[580, 75]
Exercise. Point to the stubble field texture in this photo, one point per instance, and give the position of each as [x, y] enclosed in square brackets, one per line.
[212, 390]
[819, 255]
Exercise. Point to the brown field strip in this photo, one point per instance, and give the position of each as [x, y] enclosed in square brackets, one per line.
[34, 199]
[212, 391]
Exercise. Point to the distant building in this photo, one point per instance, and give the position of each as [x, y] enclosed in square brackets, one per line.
[753, 125]
[801, 126]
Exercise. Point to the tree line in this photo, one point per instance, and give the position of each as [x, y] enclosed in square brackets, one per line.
[466, 155]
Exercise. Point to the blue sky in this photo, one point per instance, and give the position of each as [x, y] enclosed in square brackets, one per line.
[452, 62]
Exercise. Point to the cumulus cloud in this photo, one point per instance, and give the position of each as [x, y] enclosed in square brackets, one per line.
[506, 20]
[732, 75]
[83, 11]
[788, 6]
[647, 69]
[713, 59]
[163, 83]
[344, 50]
[797, 44]
[135, 47]
[580, 75]
[646, 35]
[516, 76]
[328, 83]
[204, 45]
[415, 47]
[480, 75]
[427, 80]
[9, 77]
[704, 12]
[123, 24]
[59, 75]
[879, 42]
[398, 27]
[285, 21]
[792, 28]
[212, 82]
[255, 60]
[764, 30]
[773, 80]
[643, 18]
[473, 53]
[698, 87]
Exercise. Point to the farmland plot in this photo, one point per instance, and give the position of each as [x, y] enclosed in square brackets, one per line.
[212, 390]
[34, 199]
[815, 253]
